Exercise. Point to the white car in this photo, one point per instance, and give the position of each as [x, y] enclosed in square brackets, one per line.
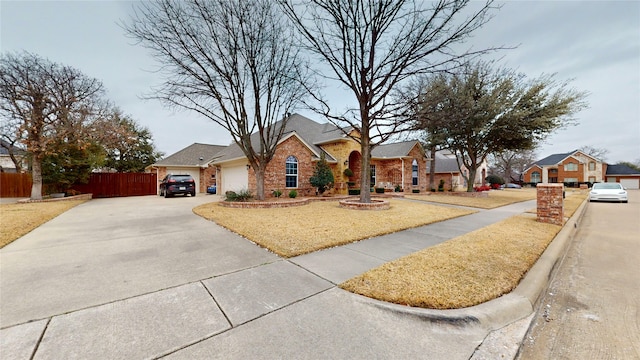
[608, 192]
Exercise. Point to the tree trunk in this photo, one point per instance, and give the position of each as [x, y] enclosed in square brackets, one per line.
[432, 169]
[259, 183]
[36, 176]
[365, 177]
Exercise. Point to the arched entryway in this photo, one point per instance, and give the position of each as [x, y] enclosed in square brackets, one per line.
[355, 163]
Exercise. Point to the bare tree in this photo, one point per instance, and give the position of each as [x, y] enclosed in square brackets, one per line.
[10, 141]
[598, 153]
[46, 101]
[233, 62]
[375, 46]
[490, 110]
[510, 164]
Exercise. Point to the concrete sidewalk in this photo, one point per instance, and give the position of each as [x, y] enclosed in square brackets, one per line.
[151, 293]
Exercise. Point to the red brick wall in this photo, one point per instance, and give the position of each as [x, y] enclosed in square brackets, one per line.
[579, 174]
[206, 178]
[527, 175]
[550, 203]
[275, 173]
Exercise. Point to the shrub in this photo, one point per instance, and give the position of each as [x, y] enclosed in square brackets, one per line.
[293, 194]
[354, 191]
[277, 193]
[398, 188]
[348, 172]
[495, 181]
[441, 185]
[351, 183]
[415, 191]
[379, 190]
[322, 176]
[242, 195]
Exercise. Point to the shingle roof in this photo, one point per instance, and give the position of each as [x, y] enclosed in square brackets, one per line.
[394, 150]
[193, 155]
[311, 132]
[445, 162]
[621, 169]
[553, 159]
[5, 146]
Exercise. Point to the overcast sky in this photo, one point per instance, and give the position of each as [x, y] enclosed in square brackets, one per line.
[595, 43]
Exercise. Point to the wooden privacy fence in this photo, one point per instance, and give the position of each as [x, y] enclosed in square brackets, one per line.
[15, 185]
[103, 185]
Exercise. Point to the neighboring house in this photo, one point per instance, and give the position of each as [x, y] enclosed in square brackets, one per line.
[576, 167]
[447, 169]
[6, 164]
[301, 146]
[629, 178]
[195, 160]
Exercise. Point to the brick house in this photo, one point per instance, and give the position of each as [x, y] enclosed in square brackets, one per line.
[576, 167]
[447, 169]
[194, 160]
[398, 164]
[402, 164]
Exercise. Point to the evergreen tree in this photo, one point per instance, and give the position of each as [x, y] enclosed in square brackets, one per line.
[322, 176]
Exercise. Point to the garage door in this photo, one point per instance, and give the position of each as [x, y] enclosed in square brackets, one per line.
[630, 183]
[234, 178]
[194, 172]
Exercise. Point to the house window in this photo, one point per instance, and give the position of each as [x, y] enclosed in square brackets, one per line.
[570, 180]
[570, 167]
[592, 166]
[414, 172]
[291, 169]
[535, 177]
[373, 175]
[592, 179]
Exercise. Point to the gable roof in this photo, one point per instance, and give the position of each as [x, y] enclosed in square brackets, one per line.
[193, 155]
[621, 169]
[553, 159]
[394, 150]
[311, 133]
[556, 159]
[446, 162]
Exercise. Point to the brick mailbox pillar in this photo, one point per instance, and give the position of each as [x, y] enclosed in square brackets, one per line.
[551, 203]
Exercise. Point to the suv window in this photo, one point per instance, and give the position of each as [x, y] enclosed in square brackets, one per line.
[179, 178]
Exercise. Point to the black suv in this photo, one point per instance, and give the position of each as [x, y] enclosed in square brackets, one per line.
[177, 184]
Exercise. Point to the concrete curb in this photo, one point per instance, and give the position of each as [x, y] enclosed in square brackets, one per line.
[500, 312]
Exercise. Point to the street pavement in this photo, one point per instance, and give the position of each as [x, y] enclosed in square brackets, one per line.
[591, 309]
[143, 277]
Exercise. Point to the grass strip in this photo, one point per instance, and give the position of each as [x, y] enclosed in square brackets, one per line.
[462, 272]
[299, 230]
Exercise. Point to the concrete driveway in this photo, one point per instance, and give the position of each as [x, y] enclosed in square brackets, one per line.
[143, 277]
[111, 249]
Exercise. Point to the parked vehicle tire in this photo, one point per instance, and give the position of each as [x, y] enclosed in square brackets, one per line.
[166, 194]
[193, 193]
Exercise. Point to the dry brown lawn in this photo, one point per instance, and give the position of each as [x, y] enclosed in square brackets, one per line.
[496, 198]
[17, 220]
[299, 230]
[465, 271]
